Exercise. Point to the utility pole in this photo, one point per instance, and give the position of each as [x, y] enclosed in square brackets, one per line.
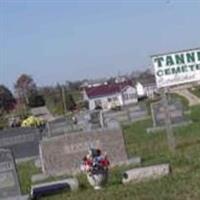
[168, 126]
[64, 100]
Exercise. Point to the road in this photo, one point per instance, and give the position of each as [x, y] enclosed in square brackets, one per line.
[192, 99]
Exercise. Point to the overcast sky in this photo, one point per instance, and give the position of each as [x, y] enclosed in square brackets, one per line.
[55, 40]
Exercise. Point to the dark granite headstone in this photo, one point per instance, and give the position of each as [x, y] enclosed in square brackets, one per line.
[63, 154]
[24, 142]
[90, 120]
[60, 126]
[127, 114]
[96, 119]
[9, 185]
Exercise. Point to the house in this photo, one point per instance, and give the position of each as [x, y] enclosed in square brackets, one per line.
[121, 79]
[146, 86]
[94, 83]
[110, 95]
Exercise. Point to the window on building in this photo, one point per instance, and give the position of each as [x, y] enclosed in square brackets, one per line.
[132, 96]
[109, 99]
[129, 96]
[98, 104]
[114, 98]
[125, 96]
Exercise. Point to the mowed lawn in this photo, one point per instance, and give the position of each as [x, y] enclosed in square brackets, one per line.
[182, 184]
[196, 91]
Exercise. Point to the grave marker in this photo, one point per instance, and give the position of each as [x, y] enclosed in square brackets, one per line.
[9, 185]
[63, 154]
[23, 142]
[176, 113]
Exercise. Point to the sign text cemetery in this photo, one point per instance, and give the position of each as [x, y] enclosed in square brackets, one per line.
[177, 68]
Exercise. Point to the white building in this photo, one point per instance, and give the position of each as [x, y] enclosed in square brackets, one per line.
[146, 87]
[110, 95]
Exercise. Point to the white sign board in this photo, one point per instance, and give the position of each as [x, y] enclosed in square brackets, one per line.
[177, 68]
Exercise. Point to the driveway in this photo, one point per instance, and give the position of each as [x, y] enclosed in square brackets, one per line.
[192, 99]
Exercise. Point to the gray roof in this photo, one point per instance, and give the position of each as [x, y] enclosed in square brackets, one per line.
[42, 112]
[147, 80]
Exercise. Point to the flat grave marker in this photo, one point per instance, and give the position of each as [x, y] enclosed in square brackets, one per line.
[9, 185]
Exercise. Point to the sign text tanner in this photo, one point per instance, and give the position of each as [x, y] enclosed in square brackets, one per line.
[177, 68]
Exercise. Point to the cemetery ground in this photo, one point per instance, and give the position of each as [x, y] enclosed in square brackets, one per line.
[182, 183]
[196, 91]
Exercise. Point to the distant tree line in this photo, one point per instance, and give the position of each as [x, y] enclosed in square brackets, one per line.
[56, 98]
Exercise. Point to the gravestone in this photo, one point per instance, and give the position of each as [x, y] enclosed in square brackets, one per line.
[137, 112]
[61, 126]
[90, 120]
[127, 114]
[84, 121]
[9, 185]
[23, 142]
[96, 119]
[63, 154]
[176, 112]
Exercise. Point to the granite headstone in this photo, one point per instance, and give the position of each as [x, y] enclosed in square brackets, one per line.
[23, 142]
[9, 185]
[176, 112]
[63, 154]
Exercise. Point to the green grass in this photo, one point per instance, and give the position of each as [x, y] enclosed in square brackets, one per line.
[182, 184]
[3, 122]
[171, 97]
[196, 91]
[25, 171]
[183, 100]
[76, 95]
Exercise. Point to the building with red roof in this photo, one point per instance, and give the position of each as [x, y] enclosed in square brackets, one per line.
[108, 96]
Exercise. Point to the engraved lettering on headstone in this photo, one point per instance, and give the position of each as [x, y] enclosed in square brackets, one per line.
[63, 154]
[79, 147]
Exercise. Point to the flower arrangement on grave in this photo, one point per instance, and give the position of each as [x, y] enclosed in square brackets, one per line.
[95, 165]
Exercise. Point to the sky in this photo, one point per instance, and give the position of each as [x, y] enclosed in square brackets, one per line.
[59, 40]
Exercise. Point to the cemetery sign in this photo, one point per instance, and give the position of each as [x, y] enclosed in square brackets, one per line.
[177, 68]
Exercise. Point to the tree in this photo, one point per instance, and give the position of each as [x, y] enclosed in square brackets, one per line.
[36, 100]
[24, 87]
[75, 85]
[7, 100]
[70, 103]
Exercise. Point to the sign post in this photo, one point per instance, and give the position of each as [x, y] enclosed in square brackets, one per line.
[174, 69]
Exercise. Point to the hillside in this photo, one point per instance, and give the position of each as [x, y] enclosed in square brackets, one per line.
[183, 183]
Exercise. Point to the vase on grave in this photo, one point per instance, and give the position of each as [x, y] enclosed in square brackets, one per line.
[95, 165]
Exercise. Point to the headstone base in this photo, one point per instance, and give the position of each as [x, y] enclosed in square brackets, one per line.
[160, 128]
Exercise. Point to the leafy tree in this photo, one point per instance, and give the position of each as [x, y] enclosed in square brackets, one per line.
[75, 85]
[70, 103]
[36, 100]
[53, 98]
[7, 100]
[24, 87]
